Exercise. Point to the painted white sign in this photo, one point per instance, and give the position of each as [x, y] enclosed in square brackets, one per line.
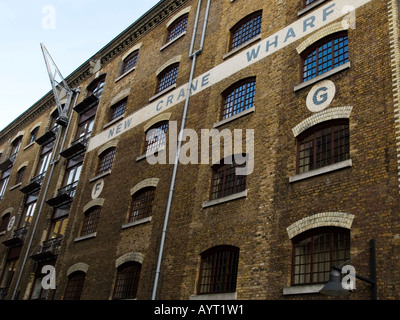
[307, 24]
[321, 95]
[97, 189]
[11, 223]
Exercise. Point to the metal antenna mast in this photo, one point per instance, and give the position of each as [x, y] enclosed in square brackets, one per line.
[59, 86]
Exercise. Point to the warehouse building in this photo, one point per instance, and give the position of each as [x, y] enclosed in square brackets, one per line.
[222, 149]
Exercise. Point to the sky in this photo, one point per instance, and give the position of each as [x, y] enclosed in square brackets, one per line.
[71, 30]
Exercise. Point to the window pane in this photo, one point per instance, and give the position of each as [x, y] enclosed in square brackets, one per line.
[106, 160]
[156, 137]
[142, 204]
[127, 282]
[246, 30]
[239, 99]
[177, 28]
[168, 77]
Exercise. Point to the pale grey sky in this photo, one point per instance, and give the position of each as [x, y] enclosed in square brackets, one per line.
[72, 31]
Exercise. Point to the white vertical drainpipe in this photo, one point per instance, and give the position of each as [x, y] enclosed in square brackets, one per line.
[193, 56]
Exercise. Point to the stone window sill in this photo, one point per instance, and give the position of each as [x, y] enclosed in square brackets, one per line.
[231, 197]
[136, 223]
[322, 76]
[320, 171]
[125, 74]
[303, 289]
[236, 116]
[144, 156]
[170, 88]
[172, 41]
[215, 296]
[244, 45]
[101, 175]
[85, 237]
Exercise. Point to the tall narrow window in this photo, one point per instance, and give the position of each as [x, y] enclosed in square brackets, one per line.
[44, 160]
[156, 137]
[20, 175]
[316, 251]
[29, 210]
[218, 270]
[142, 204]
[246, 29]
[4, 222]
[75, 286]
[322, 145]
[225, 181]
[96, 87]
[58, 222]
[129, 62]
[90, 221]
[126, 285]
[106, 160]
[238, 98]
[177, 28]
[325, 55]
[5, 177]
[34, 134]
[167, 77]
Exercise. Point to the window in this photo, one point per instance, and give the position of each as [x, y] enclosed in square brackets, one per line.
[218, 270]
[96, 87]
[20, 175]
[29, 210]
[106, 160]
[323, 145]
[246, 29]
[4, 222]
[142, 204]
[90, 221]
[44, 160]
[156, 137]
[316, 251]
[238, 98]
[118, 109]
[167, 77]
[129, 62]
[225, 181]
[127, 282]
[58, 222]
[34, 134]
[307, 2]
[5, 177]
[325, 55]
[75, 286]
[177, 28]
[15, 148]
[8, 272]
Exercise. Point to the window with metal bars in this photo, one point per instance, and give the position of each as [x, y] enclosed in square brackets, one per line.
[178, 27]
[316, 251]
[156, 137]
[218, 270]
[323, 145]
[90, 221]
[142, 204]
[238, 98]
[4, 222]
[118, 109]
[225, 181]
[127, 282]
[106, 160]
[324, 55]
[129, 62]
[74, 287]
[246, 29]
[167, 77]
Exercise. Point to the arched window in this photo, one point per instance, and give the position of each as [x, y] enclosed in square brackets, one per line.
[246, 29]
[142, 204]
[238, 97]
[127, 282]
[4, 222]
[225, 181]
[20, 175]
[324, 55]
[177, 27]
[316, 251]
[218, 270]
[156, 137]
[129, 62]
[34, 134]
[90, 221]
[106, 160]
[96, 87]
[322, 145]
[167, 77]
[75, 285]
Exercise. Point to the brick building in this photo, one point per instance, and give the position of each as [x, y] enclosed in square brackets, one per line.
[308, 89]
